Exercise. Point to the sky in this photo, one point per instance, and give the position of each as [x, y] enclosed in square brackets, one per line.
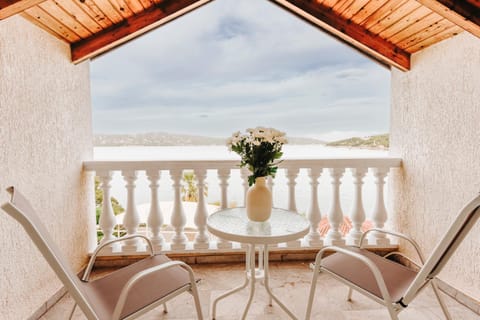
[237, 64]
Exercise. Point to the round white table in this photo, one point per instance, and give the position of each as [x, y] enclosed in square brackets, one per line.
[234, 225]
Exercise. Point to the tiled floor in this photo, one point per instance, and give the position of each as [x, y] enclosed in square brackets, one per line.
[290, 282]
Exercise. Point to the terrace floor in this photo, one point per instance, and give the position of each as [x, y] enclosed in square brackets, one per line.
[290, 281]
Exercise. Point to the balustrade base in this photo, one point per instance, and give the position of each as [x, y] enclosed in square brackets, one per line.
[236, 255]
[334, 242]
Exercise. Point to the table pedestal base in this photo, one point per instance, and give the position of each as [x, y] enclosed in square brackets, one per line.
[253, 274]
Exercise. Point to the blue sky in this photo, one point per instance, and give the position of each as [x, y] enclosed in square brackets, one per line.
[232, 64]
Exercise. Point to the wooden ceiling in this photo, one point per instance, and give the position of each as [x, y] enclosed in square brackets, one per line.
[387, 30]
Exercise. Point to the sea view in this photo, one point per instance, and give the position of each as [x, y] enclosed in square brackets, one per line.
[235, 190]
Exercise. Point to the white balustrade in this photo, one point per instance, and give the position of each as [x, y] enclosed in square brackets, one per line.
[155, 217]
[244, 173]
[313, 238]
[357, 213]
[291, 174]
[379, 215]
[178, 219]
[231, 177]
[201, 239]
[131, 219]
[107, 219]
[335, 214]
[223, 176]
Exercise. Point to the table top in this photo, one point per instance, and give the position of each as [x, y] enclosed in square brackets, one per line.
[234, 225]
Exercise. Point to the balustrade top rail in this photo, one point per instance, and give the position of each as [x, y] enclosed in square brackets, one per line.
[380, 162]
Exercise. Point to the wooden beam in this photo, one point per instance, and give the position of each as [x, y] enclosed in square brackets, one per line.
[10, 8]
[463, 13]
[132, 27]
[349, 32]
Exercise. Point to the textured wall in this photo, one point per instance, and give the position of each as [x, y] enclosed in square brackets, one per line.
[45, 134]
[435, 129]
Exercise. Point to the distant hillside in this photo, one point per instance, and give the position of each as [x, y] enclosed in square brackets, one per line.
[167, 139]
[375, 142]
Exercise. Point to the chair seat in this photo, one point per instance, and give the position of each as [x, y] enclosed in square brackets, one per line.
[396, 276]
[104, 293]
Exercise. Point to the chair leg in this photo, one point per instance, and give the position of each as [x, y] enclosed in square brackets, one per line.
[165, 310]
[73, 311]
[349, 295]
[196, 298]
[392, 312]
[312, 289]
[436, 290]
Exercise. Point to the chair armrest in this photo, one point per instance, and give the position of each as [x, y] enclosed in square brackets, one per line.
[95, 253]
[128, 286]
[373, 268]
[398, 235]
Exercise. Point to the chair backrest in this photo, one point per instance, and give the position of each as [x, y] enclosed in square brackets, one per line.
[21, 210]
[458, 230]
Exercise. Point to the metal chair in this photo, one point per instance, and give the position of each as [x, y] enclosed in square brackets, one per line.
[123, 294]
[390, 283]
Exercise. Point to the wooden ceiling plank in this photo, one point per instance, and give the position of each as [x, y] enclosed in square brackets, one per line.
[405, 22]
[367, 10]
[343, 5]
[394, 17]
[352, 34]
[50, 22]
[463, 13]
[356, 6]
[107, 9]
[135, 5]
[146, 3]
[445, 34]
[65, 18]
[414, 28]
[425, 33]
[122, 8]
[328, 3]
[78, 13]
[383, 13]
[94, 12]
[10, 8]
[132, 27]
[42, 26]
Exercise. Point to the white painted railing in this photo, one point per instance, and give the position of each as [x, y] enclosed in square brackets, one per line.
[322, 184]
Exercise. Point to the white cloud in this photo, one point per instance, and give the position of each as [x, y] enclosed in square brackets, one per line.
[238, 64]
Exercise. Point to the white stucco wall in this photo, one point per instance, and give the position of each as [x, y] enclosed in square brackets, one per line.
[45, 134]
[435, 129]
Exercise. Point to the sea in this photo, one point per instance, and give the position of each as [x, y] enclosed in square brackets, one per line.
[235, 189]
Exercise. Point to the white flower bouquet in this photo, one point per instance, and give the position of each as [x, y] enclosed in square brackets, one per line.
[259, 149]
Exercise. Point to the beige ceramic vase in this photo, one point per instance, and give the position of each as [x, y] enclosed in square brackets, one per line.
[259, 201]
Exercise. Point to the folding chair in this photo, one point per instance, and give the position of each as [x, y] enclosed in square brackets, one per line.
[123, 294]
[385, 281]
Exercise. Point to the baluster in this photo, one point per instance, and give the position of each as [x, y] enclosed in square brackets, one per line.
[357, 214]
[178, 219]
[131, 219]
[244, 173]
[201, 239]
[155, 217]
[223, 176]
[335, 215]
[313, 238]
[379, 214]
[291, 174]
[107, 219]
